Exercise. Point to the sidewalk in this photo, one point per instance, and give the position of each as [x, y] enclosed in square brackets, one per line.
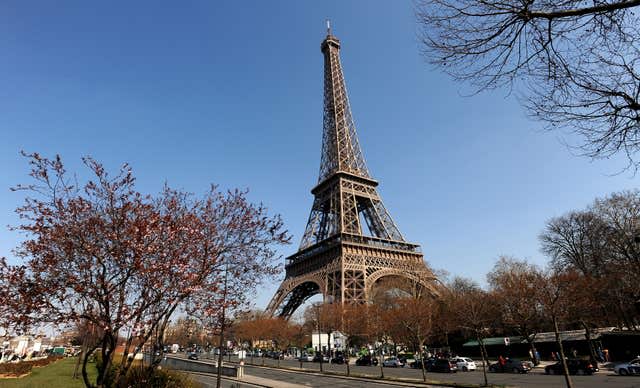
[267, 382]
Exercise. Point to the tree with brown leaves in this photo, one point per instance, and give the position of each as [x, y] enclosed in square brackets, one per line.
[106, 254]
[475, 312]
[515, 285]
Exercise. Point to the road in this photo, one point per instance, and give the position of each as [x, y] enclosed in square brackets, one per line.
[534, 379]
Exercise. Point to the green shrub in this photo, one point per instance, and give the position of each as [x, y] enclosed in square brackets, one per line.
[157, 378]
[138, 377]
[45, 361]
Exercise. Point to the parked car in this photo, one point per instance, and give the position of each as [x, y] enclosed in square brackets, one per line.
[192, 356]
[318, 357]
[392, 362]
[306, 357]
[275, 355]
[443, 365]
[367, 360]
[339, 359]
[417, 364]
[464, 363]
[628, 368]
[405, 358]
[574, 365]
[511, 365]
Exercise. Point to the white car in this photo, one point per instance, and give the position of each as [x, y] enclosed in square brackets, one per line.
[464, 363]
[392, 362]
[628, 368]
[306, 358]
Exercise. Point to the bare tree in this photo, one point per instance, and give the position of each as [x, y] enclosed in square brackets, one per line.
[601, 243]
[577, 61]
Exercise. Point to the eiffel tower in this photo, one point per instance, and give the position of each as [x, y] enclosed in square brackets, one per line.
[337, 257]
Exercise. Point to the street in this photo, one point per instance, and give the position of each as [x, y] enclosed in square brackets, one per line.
[309, 377]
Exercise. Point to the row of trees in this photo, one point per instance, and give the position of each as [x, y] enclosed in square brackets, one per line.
[522, 299]
[588, 283]
[105, 255]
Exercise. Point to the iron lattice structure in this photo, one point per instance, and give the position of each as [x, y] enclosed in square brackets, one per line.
[337, 257]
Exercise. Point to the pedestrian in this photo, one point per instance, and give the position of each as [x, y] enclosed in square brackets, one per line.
[502, 361]
[553, 356]
[574, 353]
[606, 354]
[537, 361]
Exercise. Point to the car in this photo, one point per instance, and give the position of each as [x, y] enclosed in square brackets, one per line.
[464, 363]
[339, 359]
[417, 364]
[512, 365]
[367, 360]
[404, 358]
[192, 356]
[274, 354]
[320, 358]
[628, 368]
[392, 362]
[575, 366]
[443, 365]
[306, 357]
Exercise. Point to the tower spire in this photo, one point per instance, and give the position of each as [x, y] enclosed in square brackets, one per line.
[328, 27]
[340, 147]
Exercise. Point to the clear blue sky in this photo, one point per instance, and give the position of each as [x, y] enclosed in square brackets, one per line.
[230, 92]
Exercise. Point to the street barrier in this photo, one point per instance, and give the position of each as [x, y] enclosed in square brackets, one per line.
[199, 366]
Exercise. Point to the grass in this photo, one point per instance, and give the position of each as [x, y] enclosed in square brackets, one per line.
[56, 375]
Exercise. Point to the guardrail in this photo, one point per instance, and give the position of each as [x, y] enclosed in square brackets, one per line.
[200, 366]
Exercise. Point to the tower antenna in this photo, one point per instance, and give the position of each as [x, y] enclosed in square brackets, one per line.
[328, 27]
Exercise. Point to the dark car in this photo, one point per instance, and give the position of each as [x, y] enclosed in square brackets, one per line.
[575, 367]
[511, 365]
[403, 358]
[320, 358]
[339, 359]
[275, 355]
[193, 356]
[443, 365]
[367, 361]
[417, 364]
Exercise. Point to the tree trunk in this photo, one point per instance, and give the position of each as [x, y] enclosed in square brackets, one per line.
[346, 360]
[565, 370]
[587, 334]
[483, 354]
[532, 345]
[219, 377]
[85, 376]
[381, 366]
[83, 351]
[108, 349]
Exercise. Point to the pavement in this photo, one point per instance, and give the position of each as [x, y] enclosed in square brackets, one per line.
[208, 380]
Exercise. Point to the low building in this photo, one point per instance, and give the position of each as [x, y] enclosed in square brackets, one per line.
[620, 344]
[325, 342]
